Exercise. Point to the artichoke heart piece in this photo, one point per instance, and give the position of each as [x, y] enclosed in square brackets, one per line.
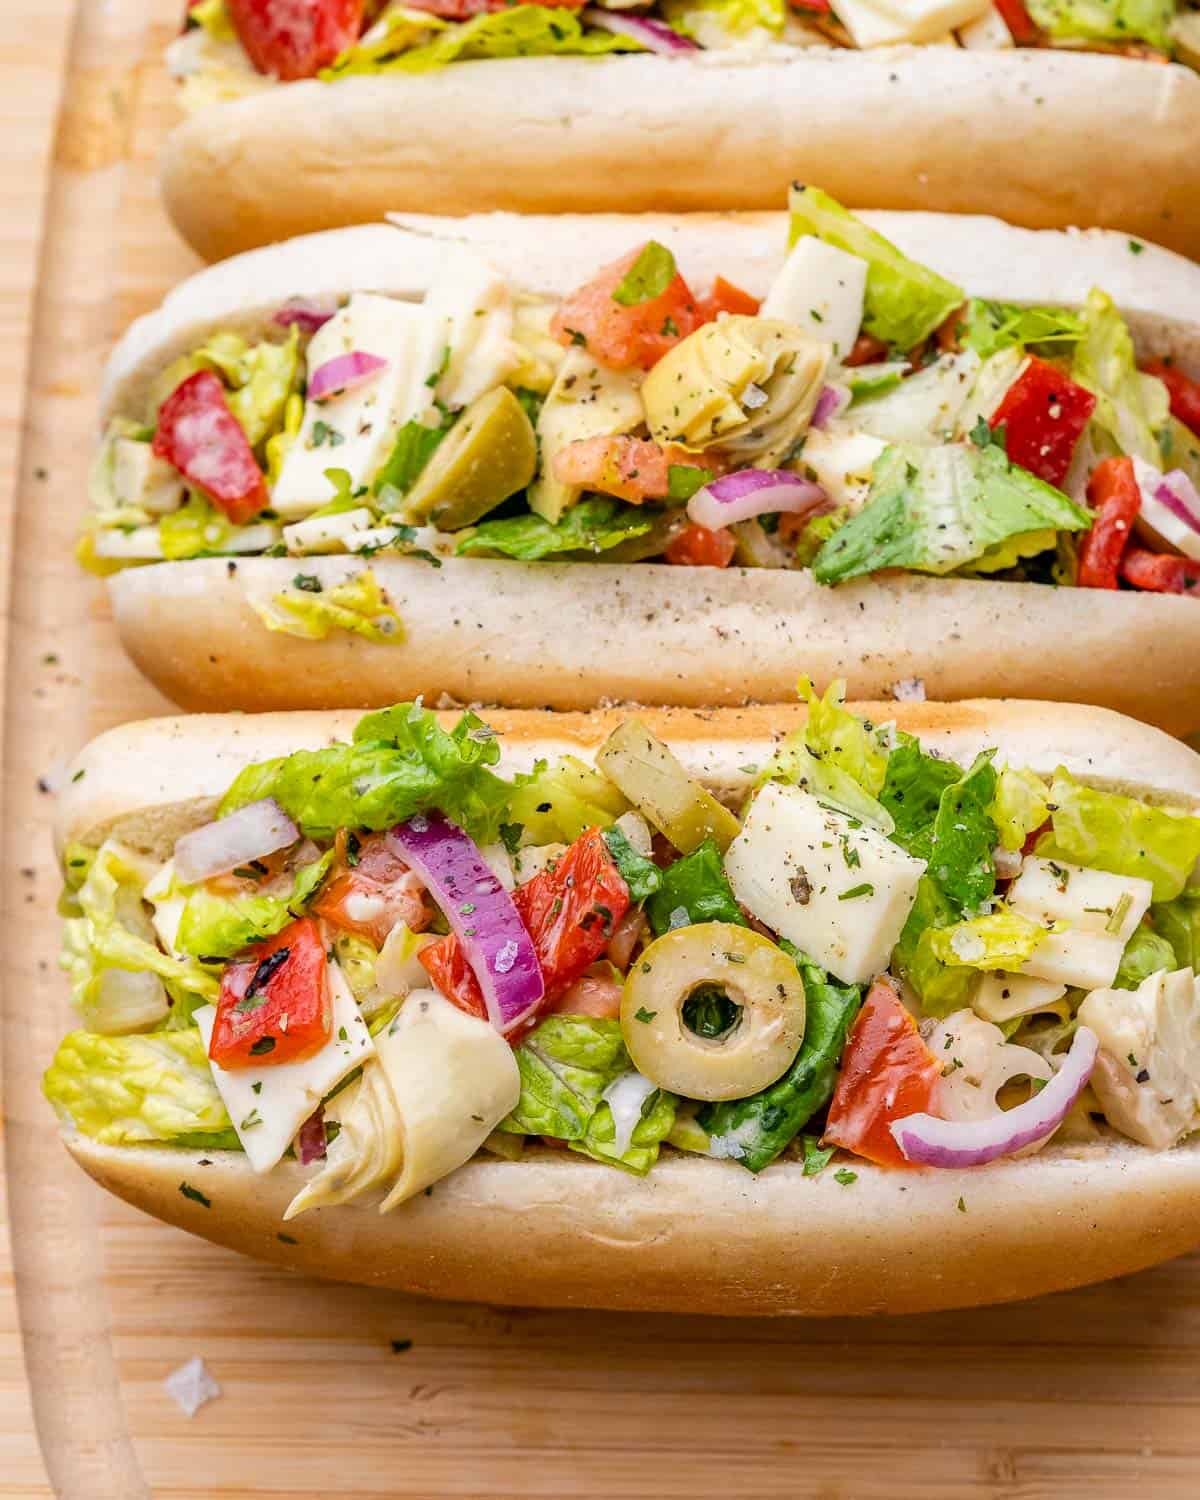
[489, 454]
[644, 769]
[753, 973]
[744, 384]
[586, 400]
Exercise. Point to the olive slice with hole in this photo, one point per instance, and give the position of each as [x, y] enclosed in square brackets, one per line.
[489, 454]
[743, 1044]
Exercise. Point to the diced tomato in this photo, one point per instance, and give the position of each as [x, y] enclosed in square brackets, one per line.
[1182, 389]
[887, 1072]
[1113, 494]
[624, 337]
[292, 39]
[1025, 31]
[1044, 413]
[817, 7]
[463, 10]
[201, 437]
[274, 1007]
[726, 298]
[1160, 572]
[867, 350]
[591, 995]
[569, 910]
[635, 469]
[698, 547]
[370, 889]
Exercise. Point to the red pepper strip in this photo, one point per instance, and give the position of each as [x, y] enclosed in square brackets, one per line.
[291, 39]
[202, 438]
[1025, 30]
[1044, 414]
[868, 350]
[698, 547]
[725, 297]
[1113, 494]
[1182, 389]
[1160, 572]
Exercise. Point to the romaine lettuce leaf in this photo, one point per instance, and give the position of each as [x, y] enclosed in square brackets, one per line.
[1147, 952]
[1179, 922]
[258, 378]
[196, 529]
[1003, 939]
[592, 526]
[941, 988]
[723, 23]
[214, 18]
[694, 889]
[563, 800]
[904, 301]
[912, 793]
[1130, 407]
[641, 875]
[761, 1126]
[937, 509]
[1020, 806]
[415, 445]
[400, 761]
[964, 836]
[358, 604]
[599, 1140]
[836, 756]
[1106, 20]
[565, 1066]
[127, 1090]
[989, 327]
[1106, 831]
[217, 926]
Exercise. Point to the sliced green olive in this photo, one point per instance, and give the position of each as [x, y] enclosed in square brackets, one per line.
[759, 979]
[658, 786]
[489, 454]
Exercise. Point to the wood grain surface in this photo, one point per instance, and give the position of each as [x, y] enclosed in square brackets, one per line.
[334, 1391]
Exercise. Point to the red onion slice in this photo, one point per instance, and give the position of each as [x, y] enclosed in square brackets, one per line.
[1178, 494]
[971, 1143]
[753, 492]
[832, 400]
[655, 36]
[253, 832]
[308, 316]
[346, 372]
[310, 1139]
[480, 913]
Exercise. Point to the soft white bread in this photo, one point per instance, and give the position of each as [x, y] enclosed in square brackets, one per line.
[696, 1235]
[1042, 137]
[568, 636]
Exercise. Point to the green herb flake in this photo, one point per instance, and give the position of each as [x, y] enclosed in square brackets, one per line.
[816, 1157]
[649, 276]
[855, 891]
[645, 1015]
[194, 1194]
[844, 1177]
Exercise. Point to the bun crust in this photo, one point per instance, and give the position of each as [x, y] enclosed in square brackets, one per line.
[911, 127]
[695, 1235]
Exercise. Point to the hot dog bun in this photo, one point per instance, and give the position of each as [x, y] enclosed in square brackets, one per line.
[570, 635]
[910, 127]
[696, 1235]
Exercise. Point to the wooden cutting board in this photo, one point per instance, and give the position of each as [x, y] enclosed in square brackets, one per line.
[340, 1391]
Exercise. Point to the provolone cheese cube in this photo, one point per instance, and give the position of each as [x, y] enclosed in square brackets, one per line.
[837, 889]
[337, 533]
[357, 430]
[141, 479]
[886, 23]
[820, 289]
[475, 305]
[1003, 997]
[1084, 960]
[1090, 900]
[841, 463]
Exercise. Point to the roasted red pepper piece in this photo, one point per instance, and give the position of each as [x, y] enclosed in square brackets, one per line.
[726, 298]
[274, 1006]
[1182, 389]
[1161, 572]
[1114, 496]
[1025, 30]
[292, 39]
[202, 438]
[1044, 413]
[887, 1073]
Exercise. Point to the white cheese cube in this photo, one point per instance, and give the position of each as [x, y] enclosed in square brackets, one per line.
[987, 33]
[841, 463]
[358, 428]
[586, 400]
[1147, 1076]
[1090, 900]
[475, 305]
[338, 533]
[1003, 997]
[141, 479]
[139, 544]
[266, 1121]
[1083, 960]
[886, 23]
[840, 892]
[820, 289]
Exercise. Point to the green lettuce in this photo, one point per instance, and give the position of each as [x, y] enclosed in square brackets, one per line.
[358, 604]
[259, 379]
[129, 1090]
[1019, 808]
[1122, 835]
[196, 529]
[1130, 407]
[989, 327]
[216, 926]
[562, 800]
[1106, 20]
[837, 756]
[1003, 939]
[214, 18]
[641, 875]
[767, 1122]
[941, 988]
[912, 793]
[960, 858]
[1179, 922]
[656, 1123]
[592, 526]
[937, 509]
[1147, 952]
[696, 885]
[904, 301]
[565, 1067]
[415, 445]
[716, 23]
[399, 762]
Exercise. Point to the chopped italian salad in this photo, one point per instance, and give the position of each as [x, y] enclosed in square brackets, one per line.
[231, 48]
[383, 957]
[866, 416]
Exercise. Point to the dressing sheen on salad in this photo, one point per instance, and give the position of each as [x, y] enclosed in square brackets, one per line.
[866, 416]
[231, 48]
[384, 957]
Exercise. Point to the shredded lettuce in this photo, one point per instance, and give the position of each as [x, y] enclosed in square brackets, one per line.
[129, 1090]
[400, 761]
[1019, 808]
[763, 1125]
[905, 301]
[656, 1123]
[1106, 20]
[358, 604]
[694, 889]
[196, 529]
[415, 445]
[1106, 831]
[836, 756]
[1130, 407]
[989, 327]
[1179, 922]
[912, 793]
[592, 526]
[1146, 953]
[214, 18]
[941, 988]
[937, 509]
[216, 926]
[641, 875]
[1002, 939]
[717, 23]
[563, 800]
[964, 836]
[259, 379]
[565, 1066]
